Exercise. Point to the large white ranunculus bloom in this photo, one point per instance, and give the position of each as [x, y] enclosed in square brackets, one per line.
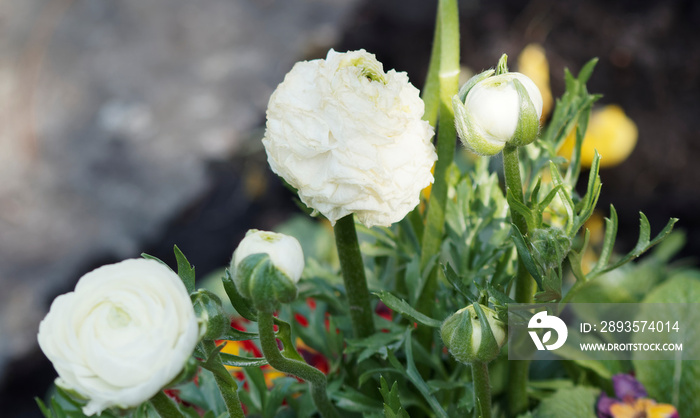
[350, 138]
[124, 333]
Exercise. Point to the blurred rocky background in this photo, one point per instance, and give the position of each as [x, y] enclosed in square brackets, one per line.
[132, 125]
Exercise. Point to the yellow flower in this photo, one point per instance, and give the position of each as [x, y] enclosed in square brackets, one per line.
[532, 62]
[642, 408]
[610, 132]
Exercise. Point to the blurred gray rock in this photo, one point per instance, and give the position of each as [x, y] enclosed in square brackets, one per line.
[111, 111]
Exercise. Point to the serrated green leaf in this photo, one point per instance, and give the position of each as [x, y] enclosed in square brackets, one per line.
[518, 206]
[400, 306]
[643, 244]
[417, 380]
[456, 281]
[184, 270]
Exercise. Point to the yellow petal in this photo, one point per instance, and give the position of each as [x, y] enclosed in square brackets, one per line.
[610, 132]
[532, 62]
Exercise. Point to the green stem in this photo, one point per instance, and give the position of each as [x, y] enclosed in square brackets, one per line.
[354, 277]
[165, 406]
[448, 39]
[316, 378]
[482, 389]
[227, 387]
[524, 285]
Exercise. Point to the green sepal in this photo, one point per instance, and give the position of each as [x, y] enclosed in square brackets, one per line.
[528, 123]
[489, 347]
[502, 66]
[257, 279]
[211, 314]
[464, 90]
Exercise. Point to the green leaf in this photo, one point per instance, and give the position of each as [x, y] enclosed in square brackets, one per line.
[184, 270]
[379, 343]
[609, 240]
[525, 256]
[242, 305]
[590, 199]
[522, 209]
[44, 410]
[352, 400]
[673, 381]
[400, 306]
[150, 257]
[643, 244]
[233, 334]
[284, 334]
[239, 361]
[276, 395]
[392, 403]
[417, 380]
[565, 198]
[577, 402]
[456, 281]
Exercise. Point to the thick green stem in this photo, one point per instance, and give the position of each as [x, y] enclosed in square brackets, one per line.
[354, 277]
[524, 285]
[316, 378]
[482, 389]
[165, 406]
[227, 387]
[447, 35]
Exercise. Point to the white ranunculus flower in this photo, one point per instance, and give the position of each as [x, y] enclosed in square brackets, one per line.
[350, 138]
[124, 333]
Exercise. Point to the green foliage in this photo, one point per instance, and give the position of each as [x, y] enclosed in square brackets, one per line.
[576, 402]
[674, 381]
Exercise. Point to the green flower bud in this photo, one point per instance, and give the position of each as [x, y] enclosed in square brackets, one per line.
[549, 246]
[497, 108]
[473, 334]
[211, 314]
[266, 267]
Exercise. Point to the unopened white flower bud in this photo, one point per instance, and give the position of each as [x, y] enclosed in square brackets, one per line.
[266, 267]
[494, 110]
[473, 334]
